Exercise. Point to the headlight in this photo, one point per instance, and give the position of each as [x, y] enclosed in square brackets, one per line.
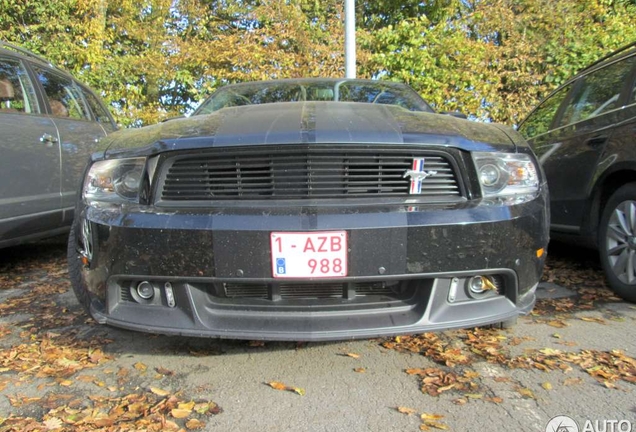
[506, 174]
[114, 180]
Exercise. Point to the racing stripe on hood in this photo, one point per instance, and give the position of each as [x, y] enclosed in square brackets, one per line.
[255, 125]
[356, 123]
[308, 124]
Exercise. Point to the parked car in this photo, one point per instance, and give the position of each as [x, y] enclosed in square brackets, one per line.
[49, 126]
[306, 210]
[584, 135]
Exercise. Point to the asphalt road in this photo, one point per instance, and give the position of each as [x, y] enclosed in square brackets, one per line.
[61, 371]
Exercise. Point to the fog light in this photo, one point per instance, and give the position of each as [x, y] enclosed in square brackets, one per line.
[145, 290]
[476, 285]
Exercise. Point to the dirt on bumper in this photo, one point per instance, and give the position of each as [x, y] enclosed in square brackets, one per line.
[408, 269]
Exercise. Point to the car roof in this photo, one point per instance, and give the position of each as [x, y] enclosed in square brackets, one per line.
[623, 52]
[620, 53]
[315, 80]
[8, 48]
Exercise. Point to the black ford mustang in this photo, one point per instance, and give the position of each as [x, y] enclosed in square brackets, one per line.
[306, 210]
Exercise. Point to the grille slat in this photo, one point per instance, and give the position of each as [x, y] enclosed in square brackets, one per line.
[309, 291]
[302, 172]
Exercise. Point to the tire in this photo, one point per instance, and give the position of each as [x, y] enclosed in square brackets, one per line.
[76, 267]
[617, 242]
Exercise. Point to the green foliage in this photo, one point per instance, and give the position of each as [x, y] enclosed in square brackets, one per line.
[153, 59]
[497, 58]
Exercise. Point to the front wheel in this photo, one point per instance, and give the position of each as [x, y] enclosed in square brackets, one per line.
[617, 242]
[79, 253]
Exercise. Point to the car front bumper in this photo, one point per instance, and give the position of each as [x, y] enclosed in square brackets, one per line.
[429, 251]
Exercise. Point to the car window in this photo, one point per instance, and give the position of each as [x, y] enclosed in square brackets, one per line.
[599, 92]
[99, 111]
[540, 120]
[64, 97]
[16, 90]
[378, 92]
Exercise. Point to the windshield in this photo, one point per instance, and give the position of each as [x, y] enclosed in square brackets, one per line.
[362, 91]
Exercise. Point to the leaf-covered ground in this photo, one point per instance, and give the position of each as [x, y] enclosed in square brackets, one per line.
[60, 371]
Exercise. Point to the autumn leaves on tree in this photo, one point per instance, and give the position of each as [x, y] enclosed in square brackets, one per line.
[154, 59]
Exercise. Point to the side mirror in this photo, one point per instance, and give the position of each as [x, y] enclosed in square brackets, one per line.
[455, 114]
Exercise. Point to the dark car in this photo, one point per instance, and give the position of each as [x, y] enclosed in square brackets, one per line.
[49, 126]
[584, 134]
[307, 210]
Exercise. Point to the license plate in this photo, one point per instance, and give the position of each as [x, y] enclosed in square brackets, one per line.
[309, 255]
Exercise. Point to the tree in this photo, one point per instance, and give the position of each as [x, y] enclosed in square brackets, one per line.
[153, 59]
[496, 59]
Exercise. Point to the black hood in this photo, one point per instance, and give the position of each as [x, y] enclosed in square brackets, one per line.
[313, 123]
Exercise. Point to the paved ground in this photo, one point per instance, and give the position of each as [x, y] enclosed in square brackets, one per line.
[60, 371]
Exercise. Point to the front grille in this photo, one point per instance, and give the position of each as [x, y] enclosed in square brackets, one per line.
[303, 172]
[326, 290]
[318, 290]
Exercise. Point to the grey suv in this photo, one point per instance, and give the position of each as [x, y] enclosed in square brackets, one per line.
[49, 125]
[584, 134]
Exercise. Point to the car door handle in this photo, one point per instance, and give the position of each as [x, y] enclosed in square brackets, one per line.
[48, 139]
[596, 141]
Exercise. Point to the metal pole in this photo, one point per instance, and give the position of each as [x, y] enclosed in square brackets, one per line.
[350, 39]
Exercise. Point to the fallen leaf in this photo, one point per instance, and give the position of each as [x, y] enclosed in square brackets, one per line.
[53, 423]
[280, 386]
[426, 416]
[256, 343]
[186, 405]
[557, 323]
[360, 370]
[352, 355]
[494, 399]
[65, 383]
[194, 424]
[86, 378]
[591, 319]
[437, 425]
[180, 413]
[208, 408]
[474, 395]
[140, 367]
[430, 421]
[547, 386]
[164, 371]
[526, 392]
[609, 384]
[407, 411]
[471, 374]
[460, 401]
[159, 392]
[502, 379]
[567, 343]
[96, 356]
[572, 381]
